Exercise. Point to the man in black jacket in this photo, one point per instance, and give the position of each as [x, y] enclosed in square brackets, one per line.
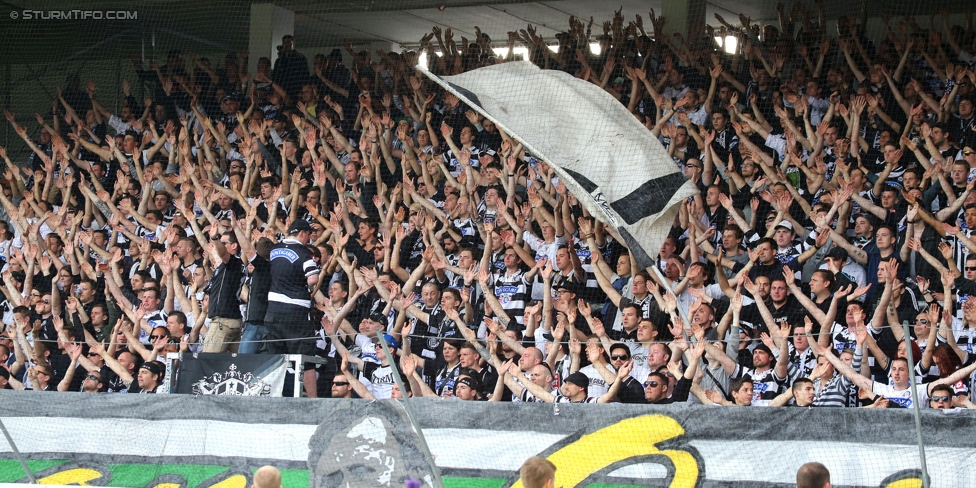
[293, 273]
[655, 388]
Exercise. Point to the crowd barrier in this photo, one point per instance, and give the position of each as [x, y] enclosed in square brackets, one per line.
[181, 441]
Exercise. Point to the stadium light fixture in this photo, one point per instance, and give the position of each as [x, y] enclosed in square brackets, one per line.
[728, 43]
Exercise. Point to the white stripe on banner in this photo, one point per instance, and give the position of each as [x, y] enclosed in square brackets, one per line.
[485, 449]
[614, 166]
[178, 437]
[856, 464]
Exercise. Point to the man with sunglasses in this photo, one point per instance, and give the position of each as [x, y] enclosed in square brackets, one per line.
[941, 398]
[42, 378]
[341, 388]
[93, 381]
[899, 388]
[658, 384]
[631, 390]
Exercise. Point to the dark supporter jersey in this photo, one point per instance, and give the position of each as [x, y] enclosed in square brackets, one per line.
[291, 265]
[223, 288]
[259, 284]
[445, 378]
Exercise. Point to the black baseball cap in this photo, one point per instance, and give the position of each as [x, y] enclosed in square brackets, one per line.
[578, 379]
[153, 367]
[569, 286]
[299, 225]
[838, 253]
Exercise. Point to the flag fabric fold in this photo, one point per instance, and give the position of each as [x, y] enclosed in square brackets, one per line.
[231, 374]
[614, 166]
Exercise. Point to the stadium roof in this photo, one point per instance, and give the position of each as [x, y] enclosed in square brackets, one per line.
[222, 25]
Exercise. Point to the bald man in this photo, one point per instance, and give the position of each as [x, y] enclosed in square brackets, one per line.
[267, 477]
[813, 475]
[531, 356]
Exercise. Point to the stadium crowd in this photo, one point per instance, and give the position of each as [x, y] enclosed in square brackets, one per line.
[314, 208]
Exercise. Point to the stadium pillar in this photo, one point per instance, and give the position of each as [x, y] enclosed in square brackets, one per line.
[682, 15]
[269, 23]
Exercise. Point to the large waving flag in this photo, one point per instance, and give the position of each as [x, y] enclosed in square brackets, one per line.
[616, 168]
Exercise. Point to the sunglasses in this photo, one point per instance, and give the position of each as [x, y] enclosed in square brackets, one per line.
[92, 354]
[155, 337]
[340, 384]
[967, 153]
[94, 377]
[970, 268]
[618, 357]
[922, 321]
[945, 398]
[652, 384]
[770, 219]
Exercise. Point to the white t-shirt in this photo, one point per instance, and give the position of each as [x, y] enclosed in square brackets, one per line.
[598, 386]
[902, 397]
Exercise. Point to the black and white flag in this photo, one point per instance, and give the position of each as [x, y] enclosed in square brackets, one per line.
[617, 169]
[231, 374]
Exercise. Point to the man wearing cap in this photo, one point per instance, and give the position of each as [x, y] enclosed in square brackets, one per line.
[574, 387]
[567, 293]
[788, 250]
[230, 106]
[767, 382]
[149, 378]
[379, 375]
[468, 389]
[293, 273]
[224, 333]
[845, 270]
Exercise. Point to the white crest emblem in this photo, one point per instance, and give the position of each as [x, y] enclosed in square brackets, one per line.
[232, 383]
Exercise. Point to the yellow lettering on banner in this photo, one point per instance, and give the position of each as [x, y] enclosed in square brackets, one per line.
[77, 476]
[235, 481]
[906, 483]
[624, 440]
